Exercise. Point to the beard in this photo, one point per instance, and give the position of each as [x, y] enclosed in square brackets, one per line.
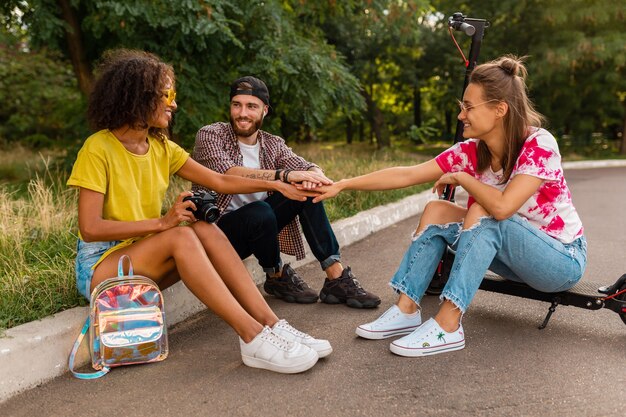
[256, 125]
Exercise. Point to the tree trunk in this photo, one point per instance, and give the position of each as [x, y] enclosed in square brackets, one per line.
[417, 106]
[349, 131]
[448, 118]
[377, 122]
[623, 147]
[75, 48]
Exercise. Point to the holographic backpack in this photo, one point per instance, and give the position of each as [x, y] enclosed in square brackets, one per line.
[126, 323]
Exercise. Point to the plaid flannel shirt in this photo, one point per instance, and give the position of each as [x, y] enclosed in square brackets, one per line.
[216, 148]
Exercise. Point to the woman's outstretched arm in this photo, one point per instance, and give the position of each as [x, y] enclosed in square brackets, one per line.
[385, 179]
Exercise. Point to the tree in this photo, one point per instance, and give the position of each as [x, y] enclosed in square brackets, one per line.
[379, 39]
[576, 57]
[40, 100]
[210, 43]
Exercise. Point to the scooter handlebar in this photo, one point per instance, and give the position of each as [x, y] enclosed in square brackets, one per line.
[468, 29]
[457, 22]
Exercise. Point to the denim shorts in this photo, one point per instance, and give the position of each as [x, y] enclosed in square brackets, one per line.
[87, 255]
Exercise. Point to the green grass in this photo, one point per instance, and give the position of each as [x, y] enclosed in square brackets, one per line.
[37, 241]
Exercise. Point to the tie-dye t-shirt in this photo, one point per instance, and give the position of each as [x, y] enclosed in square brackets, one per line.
[550, 208]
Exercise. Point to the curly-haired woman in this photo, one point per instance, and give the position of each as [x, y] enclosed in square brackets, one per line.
[123, 171]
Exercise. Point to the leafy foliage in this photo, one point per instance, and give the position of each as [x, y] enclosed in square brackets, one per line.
[40, 102]
[386, 64]
[211, 43]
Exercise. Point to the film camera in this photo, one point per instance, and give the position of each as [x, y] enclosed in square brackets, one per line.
[206, 205]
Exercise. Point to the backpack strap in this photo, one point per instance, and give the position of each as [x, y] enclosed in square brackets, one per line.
[77, 343]
[120, 266]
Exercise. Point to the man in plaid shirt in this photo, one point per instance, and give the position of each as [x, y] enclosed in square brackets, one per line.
[264, 225]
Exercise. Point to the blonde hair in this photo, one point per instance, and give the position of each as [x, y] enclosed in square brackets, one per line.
[504, 80]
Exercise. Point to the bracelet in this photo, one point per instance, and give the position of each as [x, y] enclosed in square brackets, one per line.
[286, 175]
[277, 174]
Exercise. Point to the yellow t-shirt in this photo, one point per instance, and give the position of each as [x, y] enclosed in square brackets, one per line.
[133, 185]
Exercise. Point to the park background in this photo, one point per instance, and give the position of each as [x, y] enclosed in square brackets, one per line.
[355, 86]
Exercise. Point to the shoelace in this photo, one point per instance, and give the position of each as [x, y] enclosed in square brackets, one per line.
[277, 340]
[299, 282]
[389, 315]
[291, 329]
[356, 284]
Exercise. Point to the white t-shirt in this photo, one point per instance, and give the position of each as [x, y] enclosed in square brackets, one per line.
[550, 208]
[250, 155]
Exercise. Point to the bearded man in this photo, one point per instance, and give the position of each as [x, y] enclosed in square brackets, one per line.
[265, 225]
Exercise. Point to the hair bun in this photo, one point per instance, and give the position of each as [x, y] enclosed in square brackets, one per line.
[512, 65]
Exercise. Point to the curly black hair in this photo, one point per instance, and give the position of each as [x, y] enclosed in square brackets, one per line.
[128, 90]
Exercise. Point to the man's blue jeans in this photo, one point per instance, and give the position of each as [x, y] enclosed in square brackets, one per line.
[253, 230]
[512, 248]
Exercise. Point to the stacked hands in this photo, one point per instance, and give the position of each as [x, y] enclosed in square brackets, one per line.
[300, 186]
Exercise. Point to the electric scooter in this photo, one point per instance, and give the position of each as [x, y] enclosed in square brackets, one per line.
[587, 295]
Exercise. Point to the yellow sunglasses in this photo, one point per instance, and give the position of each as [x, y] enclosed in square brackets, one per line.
[170, 95]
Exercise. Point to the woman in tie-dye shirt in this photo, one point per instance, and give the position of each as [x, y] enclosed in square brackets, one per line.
[520, 221]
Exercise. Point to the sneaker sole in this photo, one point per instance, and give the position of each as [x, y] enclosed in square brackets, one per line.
[415, 352]
[305, 365]
[383, 334]
[350, 302]
[292, 299]
[322, 353]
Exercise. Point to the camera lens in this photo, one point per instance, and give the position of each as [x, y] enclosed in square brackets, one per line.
[209, 213]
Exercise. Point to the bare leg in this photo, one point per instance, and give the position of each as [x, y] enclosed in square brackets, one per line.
[179, 249]
[334, 271]
[233, 272]
[435, 212]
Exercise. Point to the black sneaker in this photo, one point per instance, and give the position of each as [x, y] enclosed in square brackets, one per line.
[289, 287]
[346, 289]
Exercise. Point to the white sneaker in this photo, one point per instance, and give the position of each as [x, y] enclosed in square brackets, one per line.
[286, 330]
[392, 322]
[429, 339]
[275, 353]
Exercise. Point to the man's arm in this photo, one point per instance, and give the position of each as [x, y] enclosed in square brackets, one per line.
[259, 174]
[312, 178]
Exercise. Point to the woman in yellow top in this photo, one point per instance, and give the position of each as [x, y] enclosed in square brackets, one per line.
[123, 172]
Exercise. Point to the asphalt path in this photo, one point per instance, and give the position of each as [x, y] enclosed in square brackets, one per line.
[574, 367]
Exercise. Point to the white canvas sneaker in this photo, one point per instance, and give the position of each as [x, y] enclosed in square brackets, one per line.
[270, 351]
[286, 330]
[429, 339]
[392, 322]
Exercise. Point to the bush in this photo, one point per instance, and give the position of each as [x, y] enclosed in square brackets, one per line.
[41, 103]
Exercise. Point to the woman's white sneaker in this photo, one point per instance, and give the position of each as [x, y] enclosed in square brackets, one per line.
[392, 322]
[286, 330]
[429, 339]
[273, 352]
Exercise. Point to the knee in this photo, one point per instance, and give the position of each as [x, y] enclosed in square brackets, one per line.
[262, 216]
[184, 237]
[437, 212]
[474, 214]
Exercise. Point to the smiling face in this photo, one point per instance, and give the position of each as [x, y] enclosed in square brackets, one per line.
[163, 113]
[246, 114]
[482, 118]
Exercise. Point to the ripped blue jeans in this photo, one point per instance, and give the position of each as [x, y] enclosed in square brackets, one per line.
[512, 248]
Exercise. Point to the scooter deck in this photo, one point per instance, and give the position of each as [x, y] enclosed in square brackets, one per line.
[584, 294]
